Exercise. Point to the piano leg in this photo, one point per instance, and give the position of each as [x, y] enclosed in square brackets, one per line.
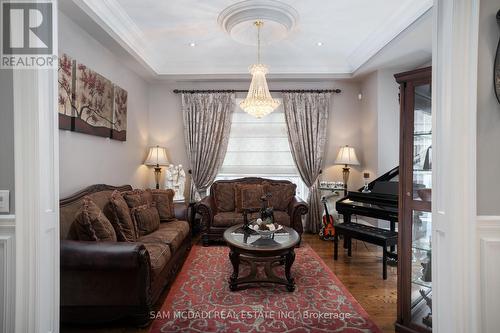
[335, 246]
[349, 246]
[384, 262]
[393, 228]
[347, 219]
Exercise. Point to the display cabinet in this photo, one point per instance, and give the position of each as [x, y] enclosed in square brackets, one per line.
[415, 191]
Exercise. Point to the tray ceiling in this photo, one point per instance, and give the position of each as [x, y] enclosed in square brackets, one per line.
[184, 37]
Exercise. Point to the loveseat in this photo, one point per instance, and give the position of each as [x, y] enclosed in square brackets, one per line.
[228, 200]
[103, 281]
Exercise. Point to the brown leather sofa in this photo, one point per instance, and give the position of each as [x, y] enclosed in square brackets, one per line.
[107, 281]
[218, 211]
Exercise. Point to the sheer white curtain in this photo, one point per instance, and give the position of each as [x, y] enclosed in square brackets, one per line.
[260, 147]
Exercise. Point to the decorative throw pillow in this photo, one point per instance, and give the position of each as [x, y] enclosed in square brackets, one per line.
[122, 221]
[146, 219]
[137, 197]
[91, 224]
[248, 196]
[224, 197]
[280, 194]
[164, 200]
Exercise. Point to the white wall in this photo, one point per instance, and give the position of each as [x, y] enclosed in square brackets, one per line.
[7, 135]
[388, 120]
[369, 124]
[488, 113]
[166, 126]
[86, 159]
[488, 166]
[380, 111]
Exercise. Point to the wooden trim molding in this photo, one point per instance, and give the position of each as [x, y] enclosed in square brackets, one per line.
[488, 231]
[7, 273]
[36, 158]
[454, 109]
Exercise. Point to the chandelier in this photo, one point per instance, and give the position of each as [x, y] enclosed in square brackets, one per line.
[259, 101]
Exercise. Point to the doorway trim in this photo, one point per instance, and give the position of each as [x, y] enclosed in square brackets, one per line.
[36, 158]
[454, 91]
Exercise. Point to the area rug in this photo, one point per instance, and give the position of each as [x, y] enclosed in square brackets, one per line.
[200, 299]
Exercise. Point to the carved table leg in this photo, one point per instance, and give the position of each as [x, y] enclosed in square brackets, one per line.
[235, 261]
[289, 259]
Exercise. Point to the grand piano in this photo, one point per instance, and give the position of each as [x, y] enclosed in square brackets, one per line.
[380, 202]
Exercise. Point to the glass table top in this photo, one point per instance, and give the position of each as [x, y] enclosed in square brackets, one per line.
[250, 240]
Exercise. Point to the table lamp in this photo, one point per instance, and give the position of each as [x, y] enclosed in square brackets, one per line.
[157, 157]
[346, 156]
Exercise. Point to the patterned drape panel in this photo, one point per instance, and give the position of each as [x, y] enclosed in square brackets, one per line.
[207, 123]
[307, 119]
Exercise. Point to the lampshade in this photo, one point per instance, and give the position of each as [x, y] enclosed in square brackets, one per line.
[157, 156]
[347, 156]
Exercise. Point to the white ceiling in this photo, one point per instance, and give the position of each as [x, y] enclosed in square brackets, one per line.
[159, 33]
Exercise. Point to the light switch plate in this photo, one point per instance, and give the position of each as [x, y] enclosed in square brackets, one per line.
[4, 201]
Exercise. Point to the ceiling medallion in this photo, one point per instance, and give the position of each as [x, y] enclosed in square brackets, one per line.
[237, 20]
[259, 101]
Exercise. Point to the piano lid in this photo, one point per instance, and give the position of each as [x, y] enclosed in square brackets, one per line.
[386, 184]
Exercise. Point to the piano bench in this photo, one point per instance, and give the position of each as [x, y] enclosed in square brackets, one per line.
[365, 233]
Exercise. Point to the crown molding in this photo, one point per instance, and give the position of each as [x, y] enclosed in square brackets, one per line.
[111, 17]
[391, 28]
[246, 77]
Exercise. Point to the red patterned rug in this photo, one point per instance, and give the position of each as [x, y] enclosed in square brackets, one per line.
[200, 299]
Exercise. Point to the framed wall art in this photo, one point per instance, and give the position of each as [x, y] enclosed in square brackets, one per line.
[496, 68]
[66, 80]
[89, 103]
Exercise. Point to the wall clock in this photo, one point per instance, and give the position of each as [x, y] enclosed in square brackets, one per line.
[496, 70]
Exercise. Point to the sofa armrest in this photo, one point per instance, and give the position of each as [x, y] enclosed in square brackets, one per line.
[181, 211]
[103, 255]
[296, 209]
[206, 208]
[105, 274]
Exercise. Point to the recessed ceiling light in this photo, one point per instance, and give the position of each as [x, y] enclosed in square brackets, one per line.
[192, 44]
[319, 43]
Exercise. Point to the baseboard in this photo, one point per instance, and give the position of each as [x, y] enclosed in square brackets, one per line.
[7, 273]
[488, 232]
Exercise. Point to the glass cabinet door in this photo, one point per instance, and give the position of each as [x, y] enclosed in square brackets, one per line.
[422, 143]
[415, 192]
[421, 269]
[421, 217]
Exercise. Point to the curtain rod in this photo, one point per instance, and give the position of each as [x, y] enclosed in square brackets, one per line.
[336, 91]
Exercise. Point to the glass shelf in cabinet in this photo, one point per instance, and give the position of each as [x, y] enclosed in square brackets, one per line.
[418, 281]
[421, 245]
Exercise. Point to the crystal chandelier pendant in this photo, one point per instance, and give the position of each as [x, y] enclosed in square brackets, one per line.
[259, 101]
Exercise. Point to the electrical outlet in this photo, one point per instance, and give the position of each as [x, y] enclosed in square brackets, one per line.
[4, 201]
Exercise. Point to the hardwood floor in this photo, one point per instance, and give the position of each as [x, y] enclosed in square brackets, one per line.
[361, 274]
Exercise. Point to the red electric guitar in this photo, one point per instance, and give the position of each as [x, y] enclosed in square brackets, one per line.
[327, 229]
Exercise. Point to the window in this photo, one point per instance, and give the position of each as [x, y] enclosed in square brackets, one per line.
[259, 147]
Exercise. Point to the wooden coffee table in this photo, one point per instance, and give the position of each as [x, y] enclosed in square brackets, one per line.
[248, 247]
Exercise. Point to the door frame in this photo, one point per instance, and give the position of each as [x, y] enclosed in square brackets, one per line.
[455, 47]
[36, 158]
[454, 93]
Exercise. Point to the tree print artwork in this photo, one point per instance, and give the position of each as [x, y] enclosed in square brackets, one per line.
[66, 91]
[89, 103]
[119, 131]
[94, 103]
[496, 66]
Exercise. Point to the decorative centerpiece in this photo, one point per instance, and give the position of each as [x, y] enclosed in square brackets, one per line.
[265, 228]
